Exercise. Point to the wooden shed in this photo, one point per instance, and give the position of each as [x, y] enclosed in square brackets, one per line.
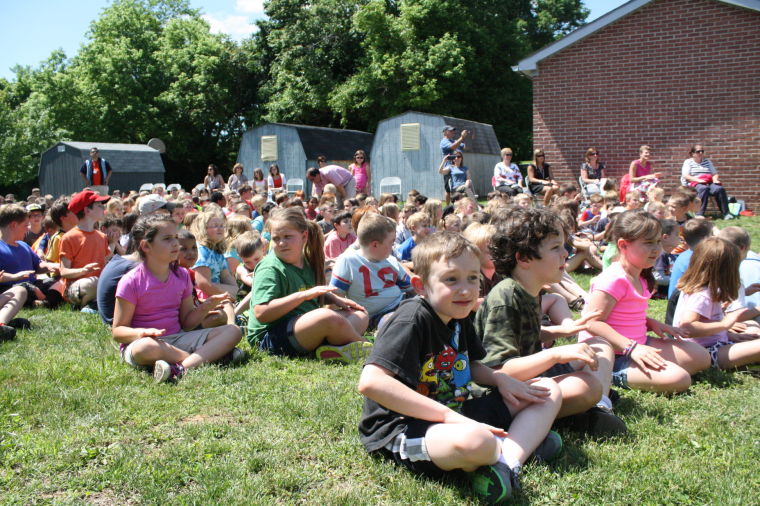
[294, 148]
[665, 73]
[408, 146]
[132, 165]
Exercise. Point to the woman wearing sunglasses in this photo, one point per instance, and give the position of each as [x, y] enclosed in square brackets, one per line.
[592, 172]
[699, 172]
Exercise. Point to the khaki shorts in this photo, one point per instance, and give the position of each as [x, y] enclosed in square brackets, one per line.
[188, 342]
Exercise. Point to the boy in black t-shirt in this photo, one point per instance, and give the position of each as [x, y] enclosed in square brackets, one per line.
[418, 382]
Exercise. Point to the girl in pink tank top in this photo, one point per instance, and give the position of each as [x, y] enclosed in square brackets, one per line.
[621, 293]
[361, 172]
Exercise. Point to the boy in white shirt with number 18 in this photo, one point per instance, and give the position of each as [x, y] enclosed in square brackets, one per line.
[371, 276]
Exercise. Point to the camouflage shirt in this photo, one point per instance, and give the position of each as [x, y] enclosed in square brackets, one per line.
[509, 323]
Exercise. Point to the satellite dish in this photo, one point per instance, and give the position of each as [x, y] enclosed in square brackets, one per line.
[157, 144]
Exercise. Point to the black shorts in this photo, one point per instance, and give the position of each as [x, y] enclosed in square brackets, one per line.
[447, 183]
[536, 188]
[489, 409]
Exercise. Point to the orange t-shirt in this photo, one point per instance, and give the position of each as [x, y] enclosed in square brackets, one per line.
[83, 248]
[97, 174]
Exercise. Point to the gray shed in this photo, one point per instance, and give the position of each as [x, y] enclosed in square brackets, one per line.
[408, 146]
[294, 148]
[132, 164]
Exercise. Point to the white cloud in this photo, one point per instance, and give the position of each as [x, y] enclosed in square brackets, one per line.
[249, 6]
[237, 27]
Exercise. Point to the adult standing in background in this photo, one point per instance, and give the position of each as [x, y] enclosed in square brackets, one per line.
[344, 181]
[237, 178]
[449, 145]
[213, 180]
[361, 172]
[592, 171]
[96, 172]
[700, 173]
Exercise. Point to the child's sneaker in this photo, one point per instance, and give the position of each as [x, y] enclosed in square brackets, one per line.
[549, 448]
[20, 323]
[7, 332]
[349, 353]
[495, 483]
[234, 357]
[164, 371]
[88, 310]
[602, 422]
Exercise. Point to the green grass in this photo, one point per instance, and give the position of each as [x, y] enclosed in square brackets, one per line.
[77, 425]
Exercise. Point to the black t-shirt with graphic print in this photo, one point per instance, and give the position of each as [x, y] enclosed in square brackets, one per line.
[421, 352]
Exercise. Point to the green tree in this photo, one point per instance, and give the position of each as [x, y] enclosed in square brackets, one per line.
[450, 57]
[310, 48]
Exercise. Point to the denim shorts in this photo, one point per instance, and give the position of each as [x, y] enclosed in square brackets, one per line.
[620, 369]
[280, 339]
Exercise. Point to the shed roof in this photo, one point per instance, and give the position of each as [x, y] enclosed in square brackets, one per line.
[124, 157]
[334, 143]
[529, 65]
[482, 135]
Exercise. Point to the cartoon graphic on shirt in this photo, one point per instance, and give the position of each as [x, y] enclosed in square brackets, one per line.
[446, 377]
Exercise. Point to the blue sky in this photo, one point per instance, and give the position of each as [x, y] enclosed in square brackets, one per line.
[31, 29]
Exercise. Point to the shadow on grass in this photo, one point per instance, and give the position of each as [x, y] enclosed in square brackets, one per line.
[718, 378]
[632, 411]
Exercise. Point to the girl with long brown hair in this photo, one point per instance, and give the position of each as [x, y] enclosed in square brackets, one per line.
[289, 316]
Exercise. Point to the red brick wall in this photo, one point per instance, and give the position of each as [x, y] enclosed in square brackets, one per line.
[671, 74]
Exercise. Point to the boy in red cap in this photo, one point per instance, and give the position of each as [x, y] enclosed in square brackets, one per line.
[84, 250]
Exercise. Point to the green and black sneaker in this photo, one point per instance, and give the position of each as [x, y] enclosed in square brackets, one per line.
[495, 483]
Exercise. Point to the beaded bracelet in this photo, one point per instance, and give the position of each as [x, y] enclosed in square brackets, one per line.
[629, 349]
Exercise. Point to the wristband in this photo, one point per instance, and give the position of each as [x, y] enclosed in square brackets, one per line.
[629, 349]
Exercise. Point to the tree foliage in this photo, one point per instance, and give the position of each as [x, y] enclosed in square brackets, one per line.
[151, 68]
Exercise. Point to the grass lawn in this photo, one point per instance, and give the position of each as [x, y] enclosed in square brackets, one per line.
[77, 425]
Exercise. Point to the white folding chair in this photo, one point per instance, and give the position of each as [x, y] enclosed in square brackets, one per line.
[391, 185]
[294, 184]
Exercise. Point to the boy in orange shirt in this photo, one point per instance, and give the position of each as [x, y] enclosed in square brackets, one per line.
[84, 250]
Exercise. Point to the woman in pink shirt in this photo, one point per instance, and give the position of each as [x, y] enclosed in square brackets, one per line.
[361, 172]
[155, 319]
[640, 175]
[621, 293]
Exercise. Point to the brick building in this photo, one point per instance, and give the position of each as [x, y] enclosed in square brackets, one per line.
[667, 73]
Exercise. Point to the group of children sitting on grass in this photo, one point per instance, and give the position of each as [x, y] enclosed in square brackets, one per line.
[454, 312]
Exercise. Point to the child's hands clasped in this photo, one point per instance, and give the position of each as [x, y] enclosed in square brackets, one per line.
[154, 333]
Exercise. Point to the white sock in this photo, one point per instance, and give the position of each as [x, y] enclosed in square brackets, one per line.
[513, 464]
[605, 402]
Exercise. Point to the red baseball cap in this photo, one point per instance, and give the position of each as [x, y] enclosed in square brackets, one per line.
[83, 199]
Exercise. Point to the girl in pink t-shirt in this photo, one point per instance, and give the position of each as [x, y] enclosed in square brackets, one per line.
[621, 293]
[155, 319]
[712, 280]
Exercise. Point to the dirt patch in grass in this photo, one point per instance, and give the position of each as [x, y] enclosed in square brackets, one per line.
[210, 418]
